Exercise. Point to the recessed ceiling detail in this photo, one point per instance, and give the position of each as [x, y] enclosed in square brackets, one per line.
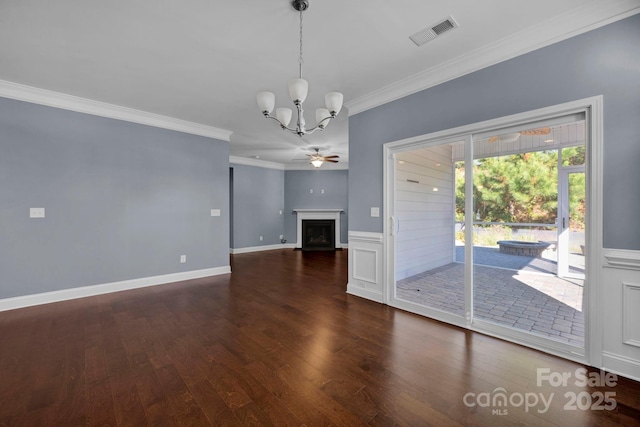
[433, 31]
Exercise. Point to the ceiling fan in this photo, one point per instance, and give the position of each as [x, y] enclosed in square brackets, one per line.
[316, 159]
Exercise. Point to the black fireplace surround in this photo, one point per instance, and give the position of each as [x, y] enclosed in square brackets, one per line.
[318, 234]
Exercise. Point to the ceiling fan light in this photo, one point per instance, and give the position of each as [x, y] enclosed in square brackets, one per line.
[298, 89]
[333, 101]
[284, 115]
[316, 163]
[266, 102]
[322, 114]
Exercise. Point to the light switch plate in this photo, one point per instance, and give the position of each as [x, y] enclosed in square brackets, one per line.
[375, 212]
[215, 212]
[36, 212]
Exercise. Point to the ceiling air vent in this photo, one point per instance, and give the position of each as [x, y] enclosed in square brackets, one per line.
[430, 33]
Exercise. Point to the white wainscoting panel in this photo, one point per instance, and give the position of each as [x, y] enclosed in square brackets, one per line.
[631, 314]
[621, 312]
[366, 265]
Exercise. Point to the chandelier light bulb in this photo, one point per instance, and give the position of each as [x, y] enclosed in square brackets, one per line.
[266, 102]
[284, 116]
[333, 101]
[322, 117]
[298, 89]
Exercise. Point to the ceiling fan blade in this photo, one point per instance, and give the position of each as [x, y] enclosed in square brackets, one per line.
[331, 161]
[331, 157]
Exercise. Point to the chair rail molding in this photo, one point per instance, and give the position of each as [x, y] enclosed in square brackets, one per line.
[622, 258]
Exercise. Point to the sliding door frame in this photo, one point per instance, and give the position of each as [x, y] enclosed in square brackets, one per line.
[592, 110]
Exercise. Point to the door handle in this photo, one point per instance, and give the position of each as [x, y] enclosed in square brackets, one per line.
[394, 225]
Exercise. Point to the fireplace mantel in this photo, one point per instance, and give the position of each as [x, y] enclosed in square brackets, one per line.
[317, 214]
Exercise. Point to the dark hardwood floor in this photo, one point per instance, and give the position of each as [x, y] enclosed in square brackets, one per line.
[277, 342]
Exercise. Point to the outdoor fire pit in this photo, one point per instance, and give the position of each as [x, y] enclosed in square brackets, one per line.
[516, 247]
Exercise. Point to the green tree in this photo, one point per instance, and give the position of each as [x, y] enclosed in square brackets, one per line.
[523, 187]
[515, 188]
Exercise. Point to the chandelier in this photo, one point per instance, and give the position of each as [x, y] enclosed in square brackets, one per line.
[298, 89]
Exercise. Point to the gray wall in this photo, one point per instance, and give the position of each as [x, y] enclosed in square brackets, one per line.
[297, 196]
[605, 62]
[122, 200]
[258, 199]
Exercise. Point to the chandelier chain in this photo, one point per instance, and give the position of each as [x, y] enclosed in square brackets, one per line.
[300, 60]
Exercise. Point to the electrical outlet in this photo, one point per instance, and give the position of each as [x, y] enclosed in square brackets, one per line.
[215, 212]
[375, 212]
[322, 191]
[280, 211]
[311, 190]
[183, 259]
[261, 238]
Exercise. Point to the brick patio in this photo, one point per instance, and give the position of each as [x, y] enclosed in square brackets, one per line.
[515, 291]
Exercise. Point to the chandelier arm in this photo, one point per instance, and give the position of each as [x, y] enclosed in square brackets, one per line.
[317, 126]
[269, 116]
[312, 130]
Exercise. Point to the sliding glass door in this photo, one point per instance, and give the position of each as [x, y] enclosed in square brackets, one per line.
[426, 231]
[487, 230]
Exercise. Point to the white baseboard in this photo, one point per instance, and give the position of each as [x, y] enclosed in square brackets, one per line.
[88, 291]
[270, 248]
[260, 248]
[621, 365]
[364, 293]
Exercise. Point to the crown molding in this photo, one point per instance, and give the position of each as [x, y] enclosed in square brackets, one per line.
[308, 167]
[247, 161]
[83, 105]
[561, 27]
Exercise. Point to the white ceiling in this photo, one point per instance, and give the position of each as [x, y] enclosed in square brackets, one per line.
[204, 61]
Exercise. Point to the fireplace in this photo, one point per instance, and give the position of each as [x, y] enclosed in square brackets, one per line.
[332, 215]
[318, 234]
